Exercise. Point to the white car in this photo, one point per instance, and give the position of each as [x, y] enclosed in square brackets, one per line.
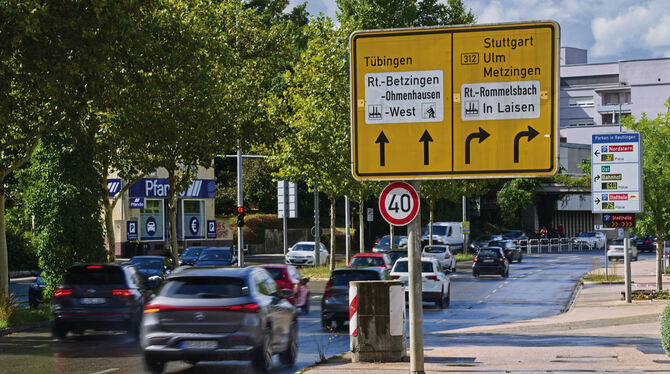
[302, 253]
[435, 285]
[615, 250]
[591, 240]
[442, 254]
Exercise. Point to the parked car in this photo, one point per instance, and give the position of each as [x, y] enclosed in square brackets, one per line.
[442, 254]
[396, 254]
[512, 251]
[153, 268]
[514, 235]
[447, 233]
[100, 297]
[216, 257]
[591, 240]
[335, 301]
[435, 285]
[288, 278]
[615, 250]
[190, 255]
[490, 260]
[384, 244]
[36, 291]
[483, 241]
[302, 253]
[205, 314]
[372, 260]
[646, 243]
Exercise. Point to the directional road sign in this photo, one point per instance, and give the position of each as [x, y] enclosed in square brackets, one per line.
[399, 203]
[455, 102]
[617, 220]
[616, 173]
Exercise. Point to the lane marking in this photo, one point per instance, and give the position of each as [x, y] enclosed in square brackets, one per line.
[106, 371]
[40, 346]
[494, 291]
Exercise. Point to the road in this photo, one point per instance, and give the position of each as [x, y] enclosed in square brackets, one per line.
[539, 286]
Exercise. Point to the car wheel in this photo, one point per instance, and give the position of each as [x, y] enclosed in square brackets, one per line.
[305, 308]
[440, 301]
[476, 275]
[520, 257]
[635, 258]
[339, 324]
[263, 355]
[58, 331]
[505, 274]
[153, 365]
[448, 300]
[325, 324]
[289, 356]
[453, 268]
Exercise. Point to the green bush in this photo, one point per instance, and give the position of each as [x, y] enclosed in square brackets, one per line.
[665, 329]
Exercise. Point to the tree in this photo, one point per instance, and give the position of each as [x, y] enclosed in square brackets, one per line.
[514, 197]
[379, 14]
[656, 179]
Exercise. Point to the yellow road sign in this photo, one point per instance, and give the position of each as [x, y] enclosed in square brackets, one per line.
[455, 102]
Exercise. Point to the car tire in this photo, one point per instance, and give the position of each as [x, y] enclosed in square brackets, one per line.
[289, 356]
[635, 258]
[520, 257]
[305, 308]
[339, 324]
[263, 355]
[325, 324]
[440, 302]
[153, 365]
[505, 274]
[58, 331]
[447, 301]
[476, 275]
[453, 268]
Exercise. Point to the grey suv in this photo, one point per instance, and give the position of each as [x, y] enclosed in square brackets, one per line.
[207, 314]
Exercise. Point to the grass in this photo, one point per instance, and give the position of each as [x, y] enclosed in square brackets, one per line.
[12, 315]
[319, 271]
[650, 295]
[464, 256]
[599, 277]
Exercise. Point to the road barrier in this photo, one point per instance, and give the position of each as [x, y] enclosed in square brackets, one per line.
[553, 244]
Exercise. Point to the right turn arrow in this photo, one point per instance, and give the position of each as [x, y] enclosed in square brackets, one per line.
[382, 140]
[482, 134]
[531, 133]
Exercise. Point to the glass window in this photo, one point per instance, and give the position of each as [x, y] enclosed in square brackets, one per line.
[276, 273]
[367, 261]
[151, 220]
[401, 267]
[342, 278]
[265, 284]
[581, 101]
[194, 218]
[84, 275]
[215, 287]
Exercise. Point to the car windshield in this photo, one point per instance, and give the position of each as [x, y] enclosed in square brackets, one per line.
[148, 264]
[499, 243]
[215, 287]
[435, 249]
[394, 255]
[385, 240]
[342, 278]
[587, 234]
[437, 230]
[401, 267]
[617, 241]
[304, 247]
[276, 273]
[488, 252]
[94, 275]
[215, 255]
[367, 261]
[486, 238]
[194, 252]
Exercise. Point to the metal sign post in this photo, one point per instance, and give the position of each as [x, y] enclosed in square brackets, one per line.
[626, 262]
[415, 297]
[317, 231]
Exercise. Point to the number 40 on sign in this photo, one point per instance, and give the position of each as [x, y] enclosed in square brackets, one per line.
[399, 203]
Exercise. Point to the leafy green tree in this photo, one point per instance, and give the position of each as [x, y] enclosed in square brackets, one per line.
[378, 14]
[514, 197]
[656, 179]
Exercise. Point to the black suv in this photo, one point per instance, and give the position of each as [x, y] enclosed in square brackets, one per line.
[335, 301]
[490, 260]
[99, 297]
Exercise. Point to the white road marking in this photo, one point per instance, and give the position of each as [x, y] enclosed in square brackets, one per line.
[487, 296]
[106, 371]
[40, 346]
[494, 291]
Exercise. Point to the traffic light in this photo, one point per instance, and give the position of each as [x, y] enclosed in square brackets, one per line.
[240, 216]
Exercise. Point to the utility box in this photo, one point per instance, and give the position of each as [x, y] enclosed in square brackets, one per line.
[377, 321]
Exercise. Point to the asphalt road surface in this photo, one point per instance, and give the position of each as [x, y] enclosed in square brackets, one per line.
[540, 286]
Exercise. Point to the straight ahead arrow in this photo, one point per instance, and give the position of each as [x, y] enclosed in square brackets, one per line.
[382, 140]
[531, 133]
[425, 139]
[481, 135]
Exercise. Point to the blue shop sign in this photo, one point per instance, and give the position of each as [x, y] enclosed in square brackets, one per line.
[114, 186]
[211, 229]
[131, 230]
[136, 203]
[159, 187]
[194, 225]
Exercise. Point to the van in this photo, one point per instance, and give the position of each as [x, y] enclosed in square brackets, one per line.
[447, 233]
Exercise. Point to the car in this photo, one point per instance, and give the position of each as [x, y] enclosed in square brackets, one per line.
[99, 297]
[383, 245]
[490, 260]
[371, 260]
[288, 278]
[36, 291]
[216, 257]
[514, 235]
[190, 255]
[206, 314]
[396, 254]
[443, 255]
[483, 241]
[615, 250]
[447, 233]
[335, 300]
[591, 240]
[512, 251]
[152, 268]
[646, 243]
[435, 285]
[302, 253]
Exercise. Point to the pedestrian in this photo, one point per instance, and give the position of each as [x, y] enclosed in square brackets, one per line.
[543, 232]
[560, 230]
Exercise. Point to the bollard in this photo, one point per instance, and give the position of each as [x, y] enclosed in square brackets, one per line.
[377, 321]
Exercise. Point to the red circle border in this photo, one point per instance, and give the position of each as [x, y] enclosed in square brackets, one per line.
[412, 214]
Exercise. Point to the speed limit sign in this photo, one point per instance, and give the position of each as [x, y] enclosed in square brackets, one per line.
[399, 203]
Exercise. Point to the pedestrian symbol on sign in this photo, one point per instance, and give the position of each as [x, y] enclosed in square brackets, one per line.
[428, 110]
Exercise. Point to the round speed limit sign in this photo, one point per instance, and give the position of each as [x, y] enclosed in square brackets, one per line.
[399, 203]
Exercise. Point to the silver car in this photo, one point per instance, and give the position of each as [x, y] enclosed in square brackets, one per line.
[208, 314]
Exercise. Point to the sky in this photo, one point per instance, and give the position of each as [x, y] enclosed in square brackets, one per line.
[611, 30]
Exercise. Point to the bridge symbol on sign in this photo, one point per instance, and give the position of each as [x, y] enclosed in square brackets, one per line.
[375, 112]
[472, 108]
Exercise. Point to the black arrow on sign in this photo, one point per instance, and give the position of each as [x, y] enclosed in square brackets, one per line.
[531, 133]
[381, 139]
[597, 153]
[481, 135]
[596, 178]
[597, 200]
[425, 138]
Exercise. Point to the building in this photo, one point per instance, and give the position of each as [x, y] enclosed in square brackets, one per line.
[141, 215]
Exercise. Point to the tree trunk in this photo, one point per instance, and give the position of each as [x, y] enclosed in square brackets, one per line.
[172, 216]
[332, 234]
[4, 266]
[431, 204]
[109, 227]
[659, 259]
[361, 226]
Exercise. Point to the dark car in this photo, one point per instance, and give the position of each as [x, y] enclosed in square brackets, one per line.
[288, 278]
[190, 255]
[646, 243]
[490, 260]
[395, 254]
[36, 291]
[384, 244]
[152, 268]
[100, 297]
[512, 252]
[207, 314]
[335, 301]
[514, 235]
[483, 241]
[216, 257]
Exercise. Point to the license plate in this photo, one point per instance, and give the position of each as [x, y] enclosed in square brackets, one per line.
[198, 344]
[92, 300]
[487, 261]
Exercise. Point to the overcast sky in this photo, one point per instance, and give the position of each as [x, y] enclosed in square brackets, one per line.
[610, 30]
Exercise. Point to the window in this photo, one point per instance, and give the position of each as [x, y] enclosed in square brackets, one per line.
[194, 218]
[580, 122]
[581, 101]
[151, 220]
[265, 284]
[206, 287]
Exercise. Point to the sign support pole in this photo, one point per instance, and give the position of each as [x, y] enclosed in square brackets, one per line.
[464, 203]
[284, 218]
[317, 231]
[347, 228]
[415, 299]
[626, 260]
[240, 202]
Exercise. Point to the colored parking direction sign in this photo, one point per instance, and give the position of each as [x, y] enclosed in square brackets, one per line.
[399, 203]
[616, 173]
[455, 102]
[617, 220]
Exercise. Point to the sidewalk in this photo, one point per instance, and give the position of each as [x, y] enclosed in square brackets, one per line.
[600, 333]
